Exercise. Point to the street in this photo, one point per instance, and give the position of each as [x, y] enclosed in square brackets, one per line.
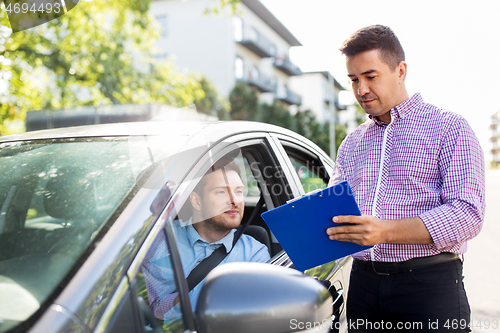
[482, 265]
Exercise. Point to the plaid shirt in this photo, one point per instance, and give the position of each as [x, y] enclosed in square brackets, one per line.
[428, 163]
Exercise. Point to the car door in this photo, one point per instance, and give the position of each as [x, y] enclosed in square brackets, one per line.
[310, 170]
[267, 176]
[263, 177]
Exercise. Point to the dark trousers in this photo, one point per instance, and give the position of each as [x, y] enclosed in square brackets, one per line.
[426, 299]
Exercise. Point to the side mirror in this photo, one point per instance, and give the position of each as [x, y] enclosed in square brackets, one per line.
[257, 297]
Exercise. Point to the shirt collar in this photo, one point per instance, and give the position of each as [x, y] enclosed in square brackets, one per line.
[194, 236]
[401, 110]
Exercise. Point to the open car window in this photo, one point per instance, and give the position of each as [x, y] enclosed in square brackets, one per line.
[159, 288]
[309, 168]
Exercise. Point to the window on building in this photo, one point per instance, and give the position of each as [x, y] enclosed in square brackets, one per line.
[254, 73]
[272, 50]
[163, 21]
[161, 56]
[238, 68]
[251, 34]
[238, 28]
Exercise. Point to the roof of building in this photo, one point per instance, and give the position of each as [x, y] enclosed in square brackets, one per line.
[261, 11]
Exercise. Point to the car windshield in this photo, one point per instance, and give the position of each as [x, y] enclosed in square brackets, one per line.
[55, 197]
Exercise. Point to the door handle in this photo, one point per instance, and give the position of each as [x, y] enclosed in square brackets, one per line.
[339, 300]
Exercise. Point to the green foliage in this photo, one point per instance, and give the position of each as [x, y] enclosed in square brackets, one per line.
[340, 134]
[218, 7]
[209, 102]
[276, 114]
[307, 125]
[360, 115]
[244, 105]
[99, 53]
[322, 272]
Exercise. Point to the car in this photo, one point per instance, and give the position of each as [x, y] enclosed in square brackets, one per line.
[82, 206]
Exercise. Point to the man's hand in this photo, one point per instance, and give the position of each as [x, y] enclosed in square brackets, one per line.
[365, 230]
[368, 230]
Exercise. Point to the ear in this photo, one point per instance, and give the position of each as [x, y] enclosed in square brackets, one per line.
[195, 200]
[402, 70]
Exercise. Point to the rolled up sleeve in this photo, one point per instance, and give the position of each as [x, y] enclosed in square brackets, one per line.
[461, 164]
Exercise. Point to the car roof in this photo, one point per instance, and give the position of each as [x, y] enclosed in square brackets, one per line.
[181, 128]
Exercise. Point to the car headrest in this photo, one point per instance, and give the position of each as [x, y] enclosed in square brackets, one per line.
[70, 195]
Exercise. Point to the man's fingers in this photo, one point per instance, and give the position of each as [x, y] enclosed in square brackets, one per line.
[346, 219]
[347, 238]
[345, 229]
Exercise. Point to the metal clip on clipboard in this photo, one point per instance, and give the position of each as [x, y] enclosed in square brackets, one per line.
[304, 195]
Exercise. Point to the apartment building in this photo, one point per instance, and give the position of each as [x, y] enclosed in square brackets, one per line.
[495, 139]
[252, 48]
[320, 93]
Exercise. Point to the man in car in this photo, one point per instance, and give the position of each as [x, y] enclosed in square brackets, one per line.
[217, 209]
[417, 173]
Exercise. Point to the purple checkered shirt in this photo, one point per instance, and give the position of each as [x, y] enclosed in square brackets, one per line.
[428, 163]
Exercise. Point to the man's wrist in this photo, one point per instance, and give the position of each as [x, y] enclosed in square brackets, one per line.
[388, 231]
[406, 231]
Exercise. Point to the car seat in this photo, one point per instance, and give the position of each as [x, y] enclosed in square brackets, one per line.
[70, 196]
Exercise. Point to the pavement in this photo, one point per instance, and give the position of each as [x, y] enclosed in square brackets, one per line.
[482, 263]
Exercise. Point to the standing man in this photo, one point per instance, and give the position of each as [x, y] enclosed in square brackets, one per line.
[417, 173]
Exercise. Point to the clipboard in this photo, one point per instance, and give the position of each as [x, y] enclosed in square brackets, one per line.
[300, 226]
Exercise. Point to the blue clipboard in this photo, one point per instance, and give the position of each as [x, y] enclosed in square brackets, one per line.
[300, 226]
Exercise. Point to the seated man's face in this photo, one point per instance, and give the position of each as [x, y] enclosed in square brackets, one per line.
[222, 202]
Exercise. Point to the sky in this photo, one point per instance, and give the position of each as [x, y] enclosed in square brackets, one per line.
[452, 47]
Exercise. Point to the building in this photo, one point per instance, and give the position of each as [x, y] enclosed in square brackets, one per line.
[108, 114]
[320, 93]
[495, 139]
[251, 48]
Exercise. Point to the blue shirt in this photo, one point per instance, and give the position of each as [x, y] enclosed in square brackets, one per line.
[193, 249]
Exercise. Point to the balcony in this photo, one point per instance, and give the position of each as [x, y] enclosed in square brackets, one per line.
[290, 97]
[495, 146]
[495, 135]
[287, 67]
[257, 43]
[261, 82]
[328, 100]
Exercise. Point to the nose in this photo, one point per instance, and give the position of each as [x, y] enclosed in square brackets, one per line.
[235, 198]
[363, 88]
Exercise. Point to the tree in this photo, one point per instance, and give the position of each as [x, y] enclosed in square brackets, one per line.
[244, 105]
[276, 114]
[244, 102]
[219, 5]
[210, 102]
[101, 52]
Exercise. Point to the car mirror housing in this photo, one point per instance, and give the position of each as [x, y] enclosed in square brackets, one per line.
[258, 297]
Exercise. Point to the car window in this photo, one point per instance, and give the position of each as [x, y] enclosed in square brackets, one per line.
[55, 198]
[159, 288]
[313, 174]
[309, 168]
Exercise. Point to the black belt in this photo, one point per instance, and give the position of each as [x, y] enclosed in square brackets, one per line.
[388, 268]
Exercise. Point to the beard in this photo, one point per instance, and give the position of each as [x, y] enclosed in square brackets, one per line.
[223, 223]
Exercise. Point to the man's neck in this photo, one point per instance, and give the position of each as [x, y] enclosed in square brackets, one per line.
[386, 118]
[208, 233]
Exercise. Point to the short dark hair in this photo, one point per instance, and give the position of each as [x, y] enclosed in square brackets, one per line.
[226, 163]
[375, 37]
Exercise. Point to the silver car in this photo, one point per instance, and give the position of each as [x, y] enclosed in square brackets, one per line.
[81, 207]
